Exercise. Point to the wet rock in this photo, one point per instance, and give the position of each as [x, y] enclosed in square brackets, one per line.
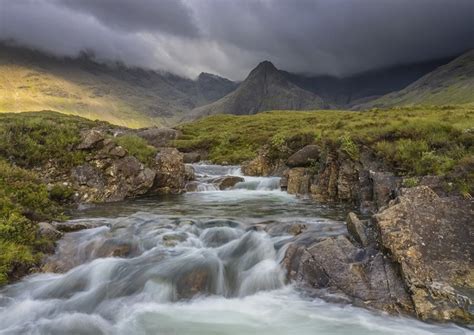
[226, 182]
[259, 166]
[276, 229]
[304, 157]
[298, 181]
[431, 240]
[385, 187]
[192, 186]
[170, 240]
[170, 171]
[114, 248]
[71, 226]
[356, 229]
[365, 277]
[159, 137]
[91, 139]
[324, 186]
[191, 157]
[189, 173]
[48, 231]
[219, 223]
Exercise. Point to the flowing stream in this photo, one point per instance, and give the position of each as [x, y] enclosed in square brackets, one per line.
[198, 263]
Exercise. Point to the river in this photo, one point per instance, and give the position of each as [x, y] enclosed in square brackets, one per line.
[197, 263]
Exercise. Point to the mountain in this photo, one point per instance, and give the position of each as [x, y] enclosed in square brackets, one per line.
[265, 88]
[452, 83]
[346, 91]
[31, 80]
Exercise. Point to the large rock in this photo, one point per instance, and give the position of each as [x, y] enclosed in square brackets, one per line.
[226, 182]
[304, 157]
[191, 157]
[159, 137]
[334, 265]
[357, 229]
[431, 240]
[91, 139]
[170, 171]
[385, 187]
[298, 181]
[259, 166]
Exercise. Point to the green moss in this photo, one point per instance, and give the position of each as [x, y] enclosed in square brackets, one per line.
[137, 147]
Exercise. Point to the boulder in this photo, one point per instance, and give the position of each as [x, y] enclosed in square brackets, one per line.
[259, 166]
[71, 226]
[191, 157]
[277, 229]
[298, 181]
[304, 157]
[170, 171]
[91, 139]
[87, 175]
[356, 229]
[158, 137]
[113, 248]
[48, 231]
[335, 266]
[189, 173]
[226, 182]
[385, 187]
[431, 240]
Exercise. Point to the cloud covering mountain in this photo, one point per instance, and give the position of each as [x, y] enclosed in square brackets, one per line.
[336, 37]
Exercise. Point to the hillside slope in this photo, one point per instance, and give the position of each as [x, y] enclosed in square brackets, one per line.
[265, 88]
[30, 80]
[449, 84]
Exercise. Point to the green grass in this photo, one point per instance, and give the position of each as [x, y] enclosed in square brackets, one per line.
[412, 141]
[24, 200]
[33, 139]
[138, 147]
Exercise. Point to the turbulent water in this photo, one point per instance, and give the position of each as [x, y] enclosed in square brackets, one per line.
[197, 263]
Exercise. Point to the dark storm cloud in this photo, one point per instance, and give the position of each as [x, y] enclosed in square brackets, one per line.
[229, 37]
[169, 16]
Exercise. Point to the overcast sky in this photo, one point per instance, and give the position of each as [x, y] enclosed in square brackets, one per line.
[229, 37]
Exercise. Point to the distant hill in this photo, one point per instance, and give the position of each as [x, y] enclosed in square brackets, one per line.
[31, 80]
[347, 91]
[265, 88]
[449, 84]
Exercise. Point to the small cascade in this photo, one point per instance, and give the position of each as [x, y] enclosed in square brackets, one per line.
[206, 174]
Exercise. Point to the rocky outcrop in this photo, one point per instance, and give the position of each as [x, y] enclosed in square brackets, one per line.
[414, 256]
[263, 165]
[170, 170]
[431, 240]
[336, 267]
[304, 157]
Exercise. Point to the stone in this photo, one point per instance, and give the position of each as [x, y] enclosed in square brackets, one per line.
[336, 266]
[430, 238]
[48, 231]
[298, 181]
[226, 182]
[385, 187]
[259, 166]
[192, 186]
[91, 139]
[356, 229]
[87, 175]
[191, 157]
[114, 248]
[72, 226]
[189, 173]
[304, 157]
[159, 137]
[276, 229]
[170, 171]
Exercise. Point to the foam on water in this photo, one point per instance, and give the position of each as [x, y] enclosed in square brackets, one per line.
[195, 264]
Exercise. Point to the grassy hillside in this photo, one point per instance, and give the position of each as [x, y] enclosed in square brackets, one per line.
[449, 84]
[412, 141]
[31, 81]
